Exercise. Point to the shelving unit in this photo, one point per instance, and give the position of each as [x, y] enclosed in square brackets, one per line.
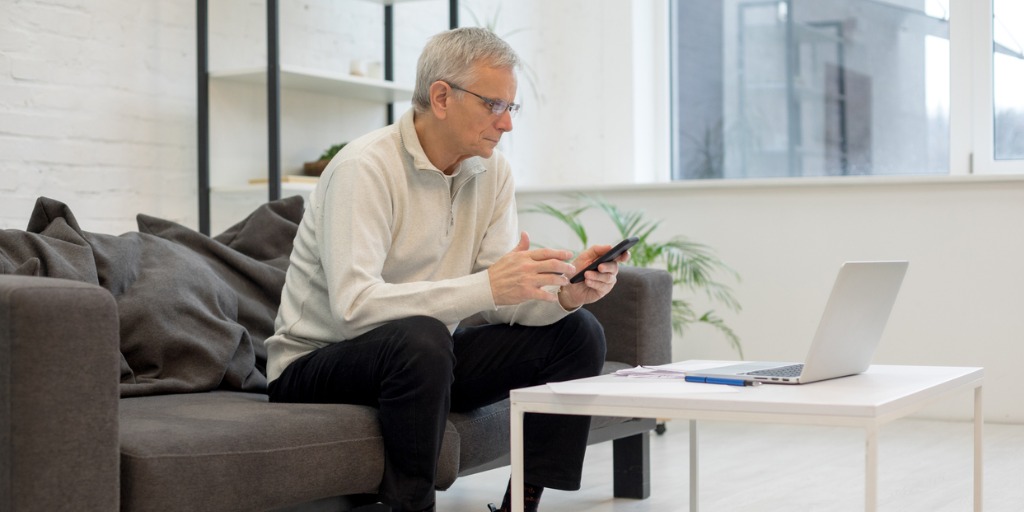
[276, 77]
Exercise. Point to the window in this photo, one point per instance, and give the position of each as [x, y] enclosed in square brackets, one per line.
[793, 88]
[1008, 79]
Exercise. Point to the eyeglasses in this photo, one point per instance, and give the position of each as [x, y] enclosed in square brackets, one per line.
[497, 107]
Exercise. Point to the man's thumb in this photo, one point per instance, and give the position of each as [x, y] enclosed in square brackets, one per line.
[524, 242]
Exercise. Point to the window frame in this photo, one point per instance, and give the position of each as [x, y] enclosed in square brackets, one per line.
[972, 143]
[971, 102]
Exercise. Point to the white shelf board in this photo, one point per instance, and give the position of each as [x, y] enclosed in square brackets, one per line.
[392, 2]
[338, 84]
[261, 188]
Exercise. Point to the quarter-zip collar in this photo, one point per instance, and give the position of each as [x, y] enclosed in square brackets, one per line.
[411, 142]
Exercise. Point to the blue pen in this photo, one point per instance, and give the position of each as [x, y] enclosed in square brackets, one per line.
[718, 380]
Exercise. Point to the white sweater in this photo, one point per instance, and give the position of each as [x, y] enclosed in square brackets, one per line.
[387, 235]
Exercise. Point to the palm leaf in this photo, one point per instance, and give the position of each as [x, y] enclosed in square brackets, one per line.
[568, 217]
[716, 322]
[694, 267]
[683, 316]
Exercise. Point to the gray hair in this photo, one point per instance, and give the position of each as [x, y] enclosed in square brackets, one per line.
[450, 56]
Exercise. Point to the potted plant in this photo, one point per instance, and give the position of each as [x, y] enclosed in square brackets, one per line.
[316, 167]
[693, 266]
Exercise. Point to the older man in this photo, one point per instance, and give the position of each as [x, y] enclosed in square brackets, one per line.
[411, 229]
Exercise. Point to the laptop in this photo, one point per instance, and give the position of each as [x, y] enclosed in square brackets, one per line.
[847, 336]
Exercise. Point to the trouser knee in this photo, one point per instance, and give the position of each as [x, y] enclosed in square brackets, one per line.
[421, 350]
[585, 337]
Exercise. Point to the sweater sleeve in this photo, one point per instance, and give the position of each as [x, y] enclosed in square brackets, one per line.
[501, 237]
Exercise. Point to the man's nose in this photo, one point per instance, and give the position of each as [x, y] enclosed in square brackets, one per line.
[504, 122]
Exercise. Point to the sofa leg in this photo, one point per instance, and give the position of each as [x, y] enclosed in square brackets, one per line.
[631, 457]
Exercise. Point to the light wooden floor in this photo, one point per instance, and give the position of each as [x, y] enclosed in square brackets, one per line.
[924, 465]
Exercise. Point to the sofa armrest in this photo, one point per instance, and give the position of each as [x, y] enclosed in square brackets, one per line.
[59, 372]
[637, 316]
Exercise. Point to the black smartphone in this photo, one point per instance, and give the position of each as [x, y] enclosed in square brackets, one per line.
[615, 252]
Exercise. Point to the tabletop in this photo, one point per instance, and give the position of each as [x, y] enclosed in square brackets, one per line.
[881, 391]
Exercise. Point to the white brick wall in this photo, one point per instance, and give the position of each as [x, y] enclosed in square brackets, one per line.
[97, 109]
[98, 100]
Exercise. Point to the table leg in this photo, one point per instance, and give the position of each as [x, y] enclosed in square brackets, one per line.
[694, 468]
[516, 435]
[979, 422]
[871, 470]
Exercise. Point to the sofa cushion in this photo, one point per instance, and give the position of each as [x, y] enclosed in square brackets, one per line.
[226, 450]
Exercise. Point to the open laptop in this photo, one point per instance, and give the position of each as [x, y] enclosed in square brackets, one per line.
[847, 336]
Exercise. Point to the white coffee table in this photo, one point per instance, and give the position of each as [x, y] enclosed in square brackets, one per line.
[868, 401]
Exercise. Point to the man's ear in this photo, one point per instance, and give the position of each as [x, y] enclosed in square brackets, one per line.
[440, 95]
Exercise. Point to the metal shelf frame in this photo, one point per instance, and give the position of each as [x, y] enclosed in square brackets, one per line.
[273, 75]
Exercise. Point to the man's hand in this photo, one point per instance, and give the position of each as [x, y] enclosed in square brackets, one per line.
[521, 275]
[596, 284]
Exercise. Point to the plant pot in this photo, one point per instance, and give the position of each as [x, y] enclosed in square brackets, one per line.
[315, 168]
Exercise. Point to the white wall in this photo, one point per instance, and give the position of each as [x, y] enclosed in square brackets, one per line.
[97, 109]
[960, 302]
[591, 91]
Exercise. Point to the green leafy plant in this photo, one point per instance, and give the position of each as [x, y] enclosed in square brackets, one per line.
[317, 167]
[331, 151]
[693, 266]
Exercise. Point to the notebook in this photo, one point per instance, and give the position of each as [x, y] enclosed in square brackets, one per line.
[848, 332]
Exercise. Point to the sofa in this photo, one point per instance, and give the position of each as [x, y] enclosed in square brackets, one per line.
[131, 376]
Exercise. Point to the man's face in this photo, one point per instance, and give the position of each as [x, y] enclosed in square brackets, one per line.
[477, 129]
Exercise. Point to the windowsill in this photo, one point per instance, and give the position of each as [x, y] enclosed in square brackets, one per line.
[764, 183]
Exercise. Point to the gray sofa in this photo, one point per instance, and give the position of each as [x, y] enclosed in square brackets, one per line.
[75, 433]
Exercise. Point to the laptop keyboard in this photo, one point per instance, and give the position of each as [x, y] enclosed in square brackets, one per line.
[793, 370]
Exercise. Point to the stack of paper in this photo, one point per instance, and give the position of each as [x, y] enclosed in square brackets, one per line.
[653, 372]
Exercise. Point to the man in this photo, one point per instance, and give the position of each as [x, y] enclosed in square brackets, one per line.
[411, 229]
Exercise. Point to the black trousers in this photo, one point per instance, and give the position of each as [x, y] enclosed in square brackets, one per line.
[414, 371]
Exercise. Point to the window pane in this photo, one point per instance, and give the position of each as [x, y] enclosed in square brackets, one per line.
[810, 88]
[1008, 78]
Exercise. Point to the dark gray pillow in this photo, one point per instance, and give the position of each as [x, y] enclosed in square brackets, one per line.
[193, 311]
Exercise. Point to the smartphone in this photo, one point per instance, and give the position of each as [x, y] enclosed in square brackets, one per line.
[615, 252]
